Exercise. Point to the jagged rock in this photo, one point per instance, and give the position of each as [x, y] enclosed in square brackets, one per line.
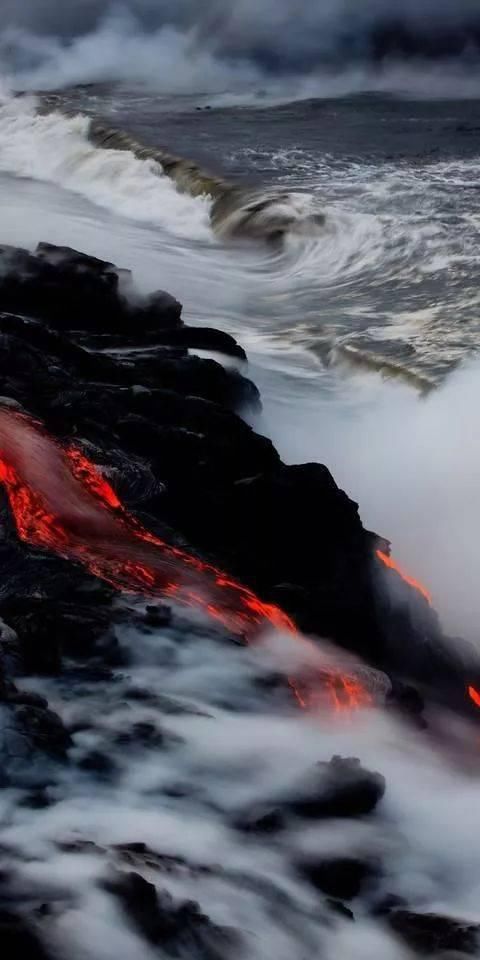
[96, 761]
[262, 820]
[145, 735]
[27, 699]
[431, 934]
[19, 939]
[387, 903]
[202, 338]
[342, 878]
[10, 655]
[47, 628]
[288, 532]
[43, 728]
[179, 929]
[157, 615]
[340, 788]
[67, 289]
[338, 907]
[36, 800]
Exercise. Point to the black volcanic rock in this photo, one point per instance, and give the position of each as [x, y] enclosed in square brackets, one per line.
[431, 934]
[43, 728]
[18, 938]
[340, 788]
[179, 929]
[208, 481]
[202, 338]
[336, 906]
[342, 878]
[48, 628]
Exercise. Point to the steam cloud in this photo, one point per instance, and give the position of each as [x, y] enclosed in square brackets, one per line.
[45, 43]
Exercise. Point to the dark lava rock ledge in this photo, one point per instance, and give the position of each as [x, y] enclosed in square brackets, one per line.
[165, 425]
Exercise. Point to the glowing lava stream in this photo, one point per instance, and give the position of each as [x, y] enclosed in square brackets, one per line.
[61, 502]
[388, 562]
[474, 696]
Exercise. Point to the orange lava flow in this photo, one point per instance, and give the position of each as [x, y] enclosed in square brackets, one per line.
[474, 695]
[61, 502]
[343, 692]
[388, 562]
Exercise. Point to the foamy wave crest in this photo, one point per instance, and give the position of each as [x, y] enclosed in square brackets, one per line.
[56, 149]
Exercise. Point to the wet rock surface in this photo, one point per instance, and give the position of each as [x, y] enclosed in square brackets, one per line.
[178, 929]
[91, 718]
[164, 425]
[340, 788]
[433, 935]
[342, 878]
[18, 938]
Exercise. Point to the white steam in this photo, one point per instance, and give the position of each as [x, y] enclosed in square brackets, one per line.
[413, 465]
[235, 746]
[268, 52]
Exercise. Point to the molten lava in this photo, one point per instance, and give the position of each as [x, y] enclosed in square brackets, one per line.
[61, 502]
[474, 695]
[341, 690]
[388, 562]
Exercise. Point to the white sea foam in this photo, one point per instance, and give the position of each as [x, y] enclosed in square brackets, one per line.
[236, 745]
[55, 148]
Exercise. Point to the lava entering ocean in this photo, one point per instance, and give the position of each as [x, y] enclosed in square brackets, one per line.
[61, 502]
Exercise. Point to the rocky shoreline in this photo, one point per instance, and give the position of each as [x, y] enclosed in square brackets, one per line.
[84, 354]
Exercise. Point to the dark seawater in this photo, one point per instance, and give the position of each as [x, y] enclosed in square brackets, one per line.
[351, 328]
[393, 273]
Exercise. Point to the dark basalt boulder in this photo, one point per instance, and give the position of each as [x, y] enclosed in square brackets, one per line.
[340, 788]
[336, 906]
[66, 289]
[263, 820]
[432, 934]
[44, 729]
[342, 878]
[49, 628]
[74, 291]
[208, 481]
[178, 929]
[201, 338]
[31, 736]
[18, 938]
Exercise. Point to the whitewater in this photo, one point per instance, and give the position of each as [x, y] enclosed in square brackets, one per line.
[362, 338]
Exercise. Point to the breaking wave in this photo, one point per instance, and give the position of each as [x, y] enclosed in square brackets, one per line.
[56, 149]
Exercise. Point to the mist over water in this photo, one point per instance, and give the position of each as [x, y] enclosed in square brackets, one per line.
[284, 49]
[383, 275]
[394, 273]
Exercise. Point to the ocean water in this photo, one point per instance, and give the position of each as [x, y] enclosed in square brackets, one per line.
[362, 335]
